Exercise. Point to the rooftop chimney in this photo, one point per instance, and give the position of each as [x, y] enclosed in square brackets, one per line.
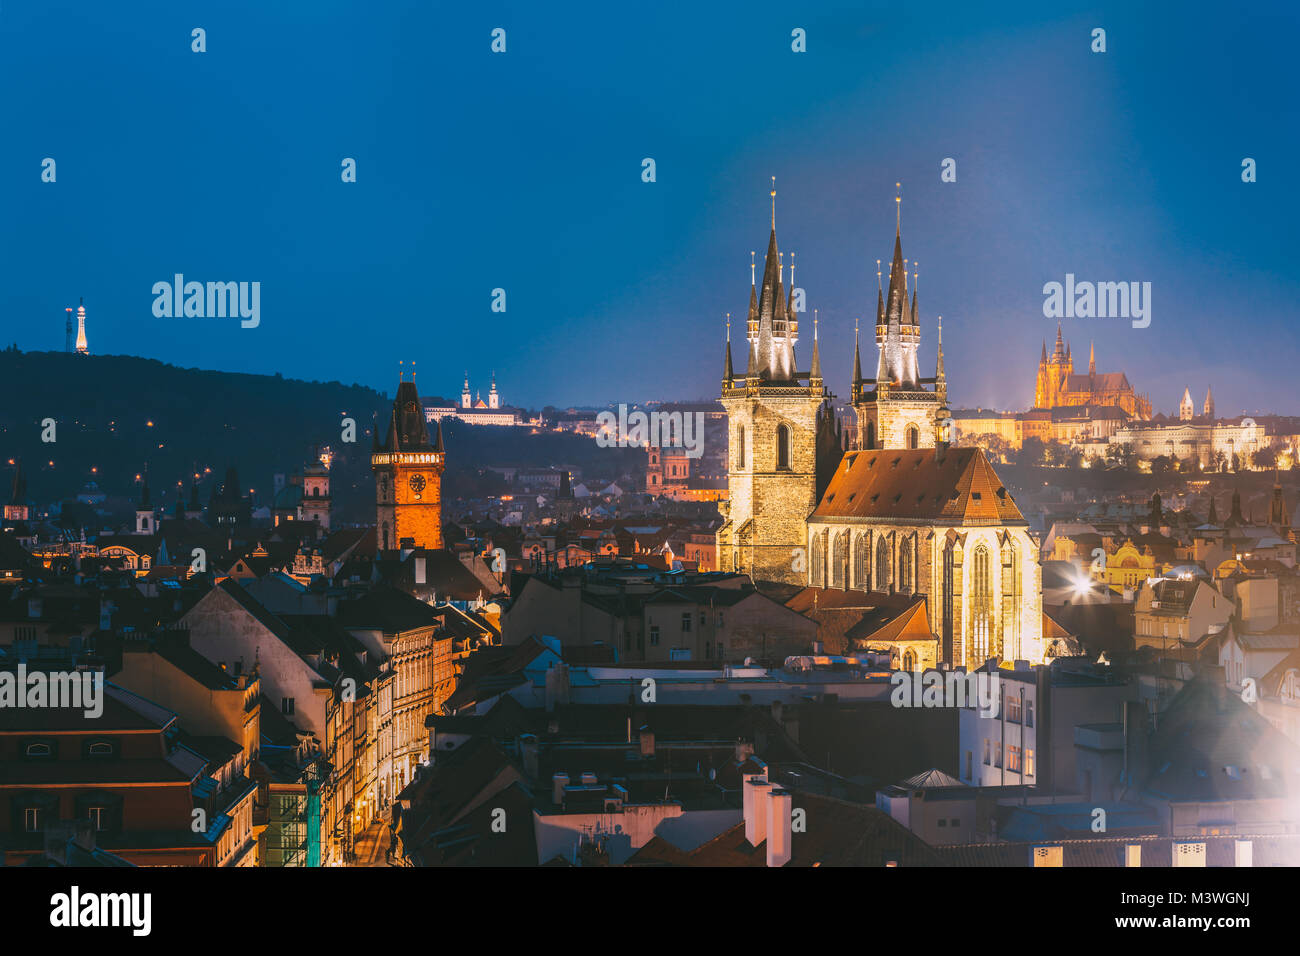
[755, 802]
[780, 804]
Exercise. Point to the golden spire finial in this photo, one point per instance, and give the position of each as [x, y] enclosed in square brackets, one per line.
[814, 322]
[878, 285]
[400, 370]
[728, 328]
[773, 202]
[792, 269]
[898, 207]
[751, 267]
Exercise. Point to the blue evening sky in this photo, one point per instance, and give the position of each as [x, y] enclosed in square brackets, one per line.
[523, 171]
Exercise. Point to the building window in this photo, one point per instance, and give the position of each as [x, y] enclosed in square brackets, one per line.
[98, 817]
[840, 561]
[1029, 713]
[40, 749]
[286, 706]
[905, 568]
[32, 819]
[99, 748]
[882, 565]
[1013, 709]
[1029, 763]
[981, 606]
[1013, 758]
[686, 623]
[782, 447]
[654, 635]
[862, 562]
[997, 755]
[740, 447]
[913, 436]
[987, 752]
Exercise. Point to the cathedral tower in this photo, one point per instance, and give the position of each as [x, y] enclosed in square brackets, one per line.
[783, 438]
[408, 477]
[896, 409]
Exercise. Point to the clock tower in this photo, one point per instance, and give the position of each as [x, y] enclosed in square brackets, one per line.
[408, 477]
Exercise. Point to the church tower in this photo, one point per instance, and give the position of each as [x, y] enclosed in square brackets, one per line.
[1186, 410]
[408, 476]
[896, 409]
[144, 515]
[783, 439]
[16, 509]
[1209, 403]
[494, 399]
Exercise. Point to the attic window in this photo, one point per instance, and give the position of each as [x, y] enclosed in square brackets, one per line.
[916, 464]
[898, 497]
[852, 496]
[894, 463]
[830, 497]
[975, 495]
[872, 461]
[874, 497]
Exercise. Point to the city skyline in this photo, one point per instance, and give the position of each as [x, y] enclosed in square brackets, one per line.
[1092, 170]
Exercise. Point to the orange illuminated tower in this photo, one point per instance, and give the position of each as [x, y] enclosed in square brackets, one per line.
[408, 476]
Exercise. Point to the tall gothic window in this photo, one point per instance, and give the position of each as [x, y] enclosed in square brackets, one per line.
[740, 447]
[871, 435]
[905, 568]
[840, 561]
[1011, 598]
[817, 573]
[913, 436]
[782, 447]
[949, 582]
[981, 605]
[882, 564]
[862, 562]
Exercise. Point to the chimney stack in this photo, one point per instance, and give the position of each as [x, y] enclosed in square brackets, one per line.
[780, 804]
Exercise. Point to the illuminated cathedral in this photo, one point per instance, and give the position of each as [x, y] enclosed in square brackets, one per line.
[1059, 386]
[901, 517]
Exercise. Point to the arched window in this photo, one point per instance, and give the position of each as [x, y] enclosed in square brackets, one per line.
[840, 561]
[386, 545]
[905, 567]
[862, 561]
[1011, 598]
[871, 435]
[782, 447]
[740, 447]
[909, 661]
[949, 582]
[882, 564]
[981, 606]
[913, 436]
[818, 579]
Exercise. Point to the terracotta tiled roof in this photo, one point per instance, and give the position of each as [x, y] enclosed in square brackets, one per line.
[958, 488]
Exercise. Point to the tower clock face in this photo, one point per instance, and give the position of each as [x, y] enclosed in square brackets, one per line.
[417, 485]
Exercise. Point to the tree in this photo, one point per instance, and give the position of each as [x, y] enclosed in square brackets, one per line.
[1032, 452]
[1265, 458]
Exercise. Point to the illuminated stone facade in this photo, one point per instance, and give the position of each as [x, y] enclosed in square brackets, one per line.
[783, 438]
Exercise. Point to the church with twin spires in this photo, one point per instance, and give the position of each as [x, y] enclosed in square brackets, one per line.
[900, 518]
